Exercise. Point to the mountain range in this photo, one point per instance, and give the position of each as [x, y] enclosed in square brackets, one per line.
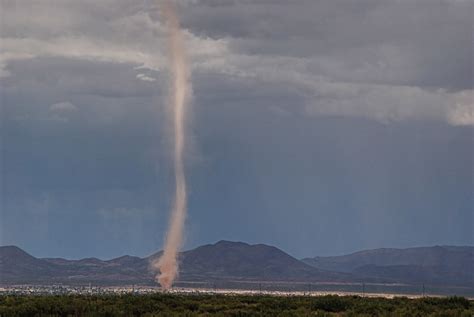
[238, 261]
[438, 265]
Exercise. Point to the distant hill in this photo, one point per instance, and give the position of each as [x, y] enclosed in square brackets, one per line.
[236, 261]
[19, 267]
[440, 265]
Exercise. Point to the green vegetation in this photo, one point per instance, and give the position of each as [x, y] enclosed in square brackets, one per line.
[238, 305]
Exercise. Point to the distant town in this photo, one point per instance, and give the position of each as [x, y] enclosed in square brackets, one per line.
[145, 290]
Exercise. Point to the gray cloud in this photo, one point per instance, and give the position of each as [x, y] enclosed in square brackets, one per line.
[306, 44]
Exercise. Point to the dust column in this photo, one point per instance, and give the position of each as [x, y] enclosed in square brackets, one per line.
[179, 101]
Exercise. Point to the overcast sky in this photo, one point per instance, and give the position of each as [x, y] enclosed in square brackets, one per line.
[320, 127]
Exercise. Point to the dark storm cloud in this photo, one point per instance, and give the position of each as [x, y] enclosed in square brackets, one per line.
[422, 43]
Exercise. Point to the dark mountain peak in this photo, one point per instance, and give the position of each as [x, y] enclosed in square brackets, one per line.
[12, 253]
[238, 249]
[123, 258]
[11, 250]
[226, 243]
[126, 260]
[244, 246]
[9, 247]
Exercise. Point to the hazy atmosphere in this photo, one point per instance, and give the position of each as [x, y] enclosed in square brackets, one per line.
[320, 127]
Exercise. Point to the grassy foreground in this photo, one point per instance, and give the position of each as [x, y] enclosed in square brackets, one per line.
[238, 305]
